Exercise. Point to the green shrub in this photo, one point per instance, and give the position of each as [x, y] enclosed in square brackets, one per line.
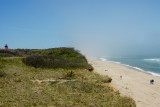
[39, 61]
[108, 80]
[2, 74]
[70, 74]
[7, 53]
[56, 58]
[64, 52]
[1, 63]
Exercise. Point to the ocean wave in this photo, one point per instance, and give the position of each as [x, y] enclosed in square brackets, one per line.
[136, 68]
[155, 74]
[129, 66]
[133, 67]
[139, 69]
[103, 59]
[153, 60]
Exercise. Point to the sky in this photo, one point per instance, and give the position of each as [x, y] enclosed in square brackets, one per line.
[95, 27]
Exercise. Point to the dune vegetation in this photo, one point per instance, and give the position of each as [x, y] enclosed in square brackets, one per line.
[33, 78]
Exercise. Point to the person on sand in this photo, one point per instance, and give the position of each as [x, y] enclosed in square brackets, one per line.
[151, 81]
[121, 77]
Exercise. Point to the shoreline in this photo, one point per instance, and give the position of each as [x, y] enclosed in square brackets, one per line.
[134, 83]
[131, 67]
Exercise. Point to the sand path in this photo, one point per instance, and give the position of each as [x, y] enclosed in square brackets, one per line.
[134, 83]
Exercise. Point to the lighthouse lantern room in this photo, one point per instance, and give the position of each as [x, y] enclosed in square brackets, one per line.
[6, 46]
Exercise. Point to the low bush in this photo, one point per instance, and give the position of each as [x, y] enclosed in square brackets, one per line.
[108, 80]
[70, 74]
[2, 74]
[1, 63]
[39, 61]
[7, 53]
[64, 52]
[57, 58]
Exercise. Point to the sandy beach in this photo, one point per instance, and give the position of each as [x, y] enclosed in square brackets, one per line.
[134, 83]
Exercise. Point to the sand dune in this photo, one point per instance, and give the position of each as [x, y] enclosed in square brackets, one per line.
[134, 83]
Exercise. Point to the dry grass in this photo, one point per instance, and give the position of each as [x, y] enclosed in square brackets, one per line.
[28, 86]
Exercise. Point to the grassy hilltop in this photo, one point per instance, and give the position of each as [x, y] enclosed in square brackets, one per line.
[54, 77]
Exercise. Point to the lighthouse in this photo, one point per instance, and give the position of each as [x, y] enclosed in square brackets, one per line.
[6, 47]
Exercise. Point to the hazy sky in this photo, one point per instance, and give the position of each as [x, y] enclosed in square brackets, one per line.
[91, 26]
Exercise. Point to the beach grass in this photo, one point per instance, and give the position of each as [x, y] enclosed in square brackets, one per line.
[24, 85]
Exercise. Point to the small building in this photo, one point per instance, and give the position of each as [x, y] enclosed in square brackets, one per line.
[6, 46]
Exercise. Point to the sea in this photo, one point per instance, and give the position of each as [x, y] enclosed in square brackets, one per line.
[148, 64]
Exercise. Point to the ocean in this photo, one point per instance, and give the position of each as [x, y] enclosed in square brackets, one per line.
[148, 64]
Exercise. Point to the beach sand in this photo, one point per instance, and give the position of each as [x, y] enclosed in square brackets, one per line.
[134, 83]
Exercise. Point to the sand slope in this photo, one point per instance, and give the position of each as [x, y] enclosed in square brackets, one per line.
[134, 83]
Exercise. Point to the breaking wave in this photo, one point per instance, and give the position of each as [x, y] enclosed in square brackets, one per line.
[157, 60]
[137, 68]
